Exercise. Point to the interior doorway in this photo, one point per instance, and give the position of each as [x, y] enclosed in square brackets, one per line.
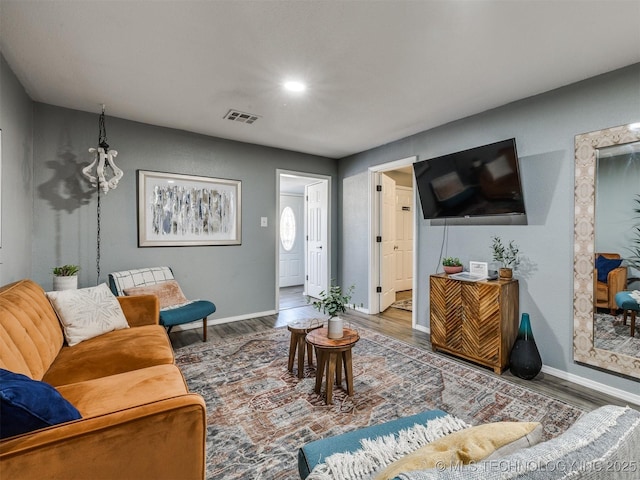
[392, 241]
[303, 231]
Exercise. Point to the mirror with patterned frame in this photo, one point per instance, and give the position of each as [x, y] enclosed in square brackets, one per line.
[588, 147]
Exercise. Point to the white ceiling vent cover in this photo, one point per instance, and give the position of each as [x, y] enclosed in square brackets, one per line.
[241, 117]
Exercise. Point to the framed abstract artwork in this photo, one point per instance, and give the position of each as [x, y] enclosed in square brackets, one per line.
[188, 210]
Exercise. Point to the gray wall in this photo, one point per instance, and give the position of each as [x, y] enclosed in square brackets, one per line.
[16, 188]
[617, 188]
[544, 127]
[239, 279]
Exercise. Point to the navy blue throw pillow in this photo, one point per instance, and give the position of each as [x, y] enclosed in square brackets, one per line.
[604, 265]
[27, 405]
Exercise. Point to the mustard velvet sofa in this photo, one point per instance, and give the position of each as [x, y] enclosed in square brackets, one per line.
[139, 420]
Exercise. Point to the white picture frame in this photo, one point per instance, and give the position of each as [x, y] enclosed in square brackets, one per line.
[479, 269]
[188, 210]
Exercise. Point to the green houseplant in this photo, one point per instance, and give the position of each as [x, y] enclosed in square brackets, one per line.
[452, 265]
[66, 270]
[65, 277]
[507, 255]
[333, 302]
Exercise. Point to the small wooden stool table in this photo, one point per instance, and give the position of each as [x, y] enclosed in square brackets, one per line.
[332, 354]
[299, 330]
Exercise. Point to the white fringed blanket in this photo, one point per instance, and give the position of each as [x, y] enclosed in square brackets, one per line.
[376, 454]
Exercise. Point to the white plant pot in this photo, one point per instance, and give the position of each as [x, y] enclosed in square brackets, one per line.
[65, 283]
[335, 328]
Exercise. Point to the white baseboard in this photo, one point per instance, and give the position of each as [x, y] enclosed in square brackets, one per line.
[422, 328]
[362, 310]
[585, 382]
[599, 387]
[218, 321]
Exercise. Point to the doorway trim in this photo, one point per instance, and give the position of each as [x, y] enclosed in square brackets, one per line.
[315, 176]
[374, 226]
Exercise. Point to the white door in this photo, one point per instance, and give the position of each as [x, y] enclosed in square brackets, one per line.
[317, 198]
[404, 238]
[291, 240]
[387, 247]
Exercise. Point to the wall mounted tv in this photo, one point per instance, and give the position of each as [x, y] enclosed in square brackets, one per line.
[478, 182]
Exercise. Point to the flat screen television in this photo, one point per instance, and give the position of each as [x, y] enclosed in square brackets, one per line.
[481, 181]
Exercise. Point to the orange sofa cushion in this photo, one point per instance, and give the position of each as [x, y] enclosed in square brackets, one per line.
[125, 390]
[111, 353]
[30, 333]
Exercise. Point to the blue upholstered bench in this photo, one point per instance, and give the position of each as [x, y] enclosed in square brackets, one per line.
[170, 316]
[314, 453]
[628, 304]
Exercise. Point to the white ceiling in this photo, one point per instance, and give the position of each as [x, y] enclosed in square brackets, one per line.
[376, 71]
[294, 185]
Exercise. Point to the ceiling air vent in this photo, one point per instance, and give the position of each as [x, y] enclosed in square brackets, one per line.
[241, 117]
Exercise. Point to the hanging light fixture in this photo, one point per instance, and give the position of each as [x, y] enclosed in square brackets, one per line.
[103, 159]
[102, 162]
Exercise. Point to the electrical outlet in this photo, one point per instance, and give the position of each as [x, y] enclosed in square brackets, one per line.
[264, 222]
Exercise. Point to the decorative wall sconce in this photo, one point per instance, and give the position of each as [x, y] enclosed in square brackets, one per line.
[103, 159]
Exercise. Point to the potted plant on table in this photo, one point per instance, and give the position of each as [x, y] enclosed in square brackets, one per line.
[65, 277]
[508, 256]
[452, 265]
[333, 302]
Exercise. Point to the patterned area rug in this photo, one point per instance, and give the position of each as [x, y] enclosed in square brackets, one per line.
[406, 304]
[611, 334]
[259, 414]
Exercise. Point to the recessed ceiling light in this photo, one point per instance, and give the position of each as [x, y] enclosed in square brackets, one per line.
[635, 126]
[295, 86]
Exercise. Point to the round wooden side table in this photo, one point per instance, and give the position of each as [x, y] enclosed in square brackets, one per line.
[333, 354]
[299, 330]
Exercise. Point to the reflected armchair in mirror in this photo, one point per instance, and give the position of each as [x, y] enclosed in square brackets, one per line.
[609, 278]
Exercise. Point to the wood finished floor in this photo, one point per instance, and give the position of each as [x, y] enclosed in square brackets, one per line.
[293, 306]
[397, 315]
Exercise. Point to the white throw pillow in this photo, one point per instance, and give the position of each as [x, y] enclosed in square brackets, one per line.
[87, 312]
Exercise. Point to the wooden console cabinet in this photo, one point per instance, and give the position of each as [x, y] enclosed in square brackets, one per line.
[477, 321]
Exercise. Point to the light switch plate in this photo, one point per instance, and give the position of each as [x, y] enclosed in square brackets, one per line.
[264, 222]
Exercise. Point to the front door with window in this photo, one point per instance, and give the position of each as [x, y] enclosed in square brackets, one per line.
[291, 240]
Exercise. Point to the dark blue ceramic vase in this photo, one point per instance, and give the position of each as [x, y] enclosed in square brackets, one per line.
[525, 361]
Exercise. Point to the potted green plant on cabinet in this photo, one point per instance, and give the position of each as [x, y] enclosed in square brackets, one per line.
[65, 277]
[333, 302]
[508, 256]
[451, 265]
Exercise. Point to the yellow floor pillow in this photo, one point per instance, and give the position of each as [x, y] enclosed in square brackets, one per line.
[466, 446]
